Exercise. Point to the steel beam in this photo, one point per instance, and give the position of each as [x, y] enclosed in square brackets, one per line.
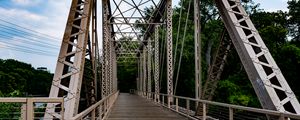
[95, 48]
[197, 47]
[169, 50]
[70, 64]
[149, 88]
[115, 77]
[138, 76]
[141, 73]
[269, 84]
[156, 62]
[216, 68]
[111, 79]
[144, 71]
[106, 38]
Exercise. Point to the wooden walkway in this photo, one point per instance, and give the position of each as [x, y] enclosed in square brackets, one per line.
[133, 107]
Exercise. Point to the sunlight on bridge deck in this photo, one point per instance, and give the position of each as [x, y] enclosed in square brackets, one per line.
[133, 107]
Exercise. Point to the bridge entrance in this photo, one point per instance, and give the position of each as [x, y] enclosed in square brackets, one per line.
[137, 39]
[141, 35]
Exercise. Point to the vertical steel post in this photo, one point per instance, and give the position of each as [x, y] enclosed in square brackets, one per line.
[156, 62]
[114, 71]
[111, 79]
[144, 71]
[176, 105]
[197, 44]
[138, 76]
[141, 74]
[105, 12]
[109, 65]
[149, 68]
[94, 51]
[230, 113]
[169, 50]
[23, 111]
[30, 109]
[203, 111]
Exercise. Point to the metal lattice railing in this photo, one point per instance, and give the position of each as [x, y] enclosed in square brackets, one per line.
[28, 108]
[34, 108]
[99, 110]
[215, 110]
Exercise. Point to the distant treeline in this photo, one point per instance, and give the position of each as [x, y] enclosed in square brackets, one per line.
[21, 79]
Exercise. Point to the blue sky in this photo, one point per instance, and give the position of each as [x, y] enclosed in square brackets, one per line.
[48, 18]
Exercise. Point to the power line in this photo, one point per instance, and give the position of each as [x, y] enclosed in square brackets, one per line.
[12, 33]
[8, 19]
[55, 38]
[25, 38]
[24, 41]
[15, 28]
[7, 27]
[25, 47]
[25, 50]
[26, 34]
[29, 52]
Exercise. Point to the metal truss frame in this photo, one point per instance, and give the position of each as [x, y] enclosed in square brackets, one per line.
[69, 71]
[216, 68]
[125, 22]
[269, 84]
[126, 37]
[130, 39]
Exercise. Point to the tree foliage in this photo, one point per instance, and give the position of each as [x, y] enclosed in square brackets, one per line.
[22, 77]
[294, 20]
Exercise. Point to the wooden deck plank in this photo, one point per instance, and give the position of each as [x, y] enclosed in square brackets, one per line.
[133, 107]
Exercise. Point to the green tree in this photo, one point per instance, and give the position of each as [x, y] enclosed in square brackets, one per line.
[294, 20]
[10, 110]
[15, 75]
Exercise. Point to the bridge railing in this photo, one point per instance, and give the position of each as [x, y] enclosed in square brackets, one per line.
[27, 108]
[99, 110]
[214, 110]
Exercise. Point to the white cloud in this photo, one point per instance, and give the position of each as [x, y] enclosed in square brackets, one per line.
[57, 18]
[2, 45]
[26, 2]
[21, 14]
[4, 52]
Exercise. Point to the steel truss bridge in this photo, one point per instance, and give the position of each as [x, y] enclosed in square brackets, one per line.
[85, 84]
